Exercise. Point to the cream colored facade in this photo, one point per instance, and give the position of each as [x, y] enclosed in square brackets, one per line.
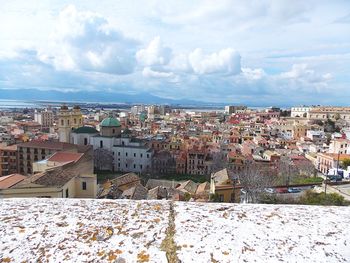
[72, 189]
[341, 146]
[301, 112]
[334, 113]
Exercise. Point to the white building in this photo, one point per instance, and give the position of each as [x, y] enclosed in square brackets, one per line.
[44, 118]
[301, 111]
[341, 146]
[128, 154]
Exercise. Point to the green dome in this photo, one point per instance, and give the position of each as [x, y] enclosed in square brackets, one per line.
[143, 116]
[110, 122]
[85, 129]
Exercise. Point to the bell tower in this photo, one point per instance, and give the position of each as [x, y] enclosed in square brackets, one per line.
[67, 121]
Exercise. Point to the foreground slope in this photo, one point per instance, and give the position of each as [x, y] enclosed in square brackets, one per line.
[70, 230]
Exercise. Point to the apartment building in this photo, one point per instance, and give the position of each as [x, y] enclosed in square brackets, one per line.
[45, 118]
[327, 161]
[64, 175]
[8, 160]
[33, 151]
[334, 113]
[341, 146]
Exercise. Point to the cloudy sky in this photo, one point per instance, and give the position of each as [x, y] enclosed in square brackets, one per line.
[256, 52]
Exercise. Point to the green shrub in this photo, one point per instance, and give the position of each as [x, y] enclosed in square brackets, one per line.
[312, 198]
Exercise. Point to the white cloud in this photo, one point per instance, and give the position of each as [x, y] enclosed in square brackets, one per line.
[85, 41]
[253, 74]
[154, 54]
[150, 73]
[226, 61]
[303, 73]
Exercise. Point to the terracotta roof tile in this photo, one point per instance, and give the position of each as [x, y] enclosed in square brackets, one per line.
[64, 157]
[10, 180]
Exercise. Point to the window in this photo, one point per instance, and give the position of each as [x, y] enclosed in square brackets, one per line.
[62, 122]
[134, 166]
[83, 185]
[67, 193]
[85, 141]
[126, 154]
[113, 131]
[141, 166]
[68, 122]
[118, 153]
[147, 155]
[101, 144]
[134, 154]
[141, 155]
[75, 121]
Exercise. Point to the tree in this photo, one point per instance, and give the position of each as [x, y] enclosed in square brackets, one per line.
[254, 179]
[329, 126]
[103, 159]
[345, 163]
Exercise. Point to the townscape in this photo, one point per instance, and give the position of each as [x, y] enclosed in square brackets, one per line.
[235, 154]
[174, 131]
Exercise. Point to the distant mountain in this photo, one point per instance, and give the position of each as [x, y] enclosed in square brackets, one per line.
[86, 96]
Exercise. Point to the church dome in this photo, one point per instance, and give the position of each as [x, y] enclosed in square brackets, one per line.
[110, 122]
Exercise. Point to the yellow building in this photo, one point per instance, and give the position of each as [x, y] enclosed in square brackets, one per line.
[67, 121]
[64, 175]
[223, 187]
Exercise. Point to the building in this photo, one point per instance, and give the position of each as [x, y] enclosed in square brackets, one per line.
[66, 175]
[163, 162]
[115, 150]
[300, 112]
[82, 135]
[8, 160]
[67, 121]
[333, 113]
[327, 161]
[45, 118]
[234, 109]
[341, 146]
[198, 162]
[33, 151]
[11, 180]
[223, 187]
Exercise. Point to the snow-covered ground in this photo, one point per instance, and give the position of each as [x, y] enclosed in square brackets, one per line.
[71, 230]
[262, 233]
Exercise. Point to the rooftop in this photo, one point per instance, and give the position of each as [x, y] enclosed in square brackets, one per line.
[85, 129]
[10, 180]
[110, 122]
[73, 230]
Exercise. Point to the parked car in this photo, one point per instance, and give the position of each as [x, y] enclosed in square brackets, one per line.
[334, 178]
[294, 190]
[282, 190]
[270, 190]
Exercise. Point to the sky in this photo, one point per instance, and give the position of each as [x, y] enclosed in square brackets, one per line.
[255, 52]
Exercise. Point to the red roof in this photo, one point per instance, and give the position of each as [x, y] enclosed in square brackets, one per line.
[65, 157]
[10, 180]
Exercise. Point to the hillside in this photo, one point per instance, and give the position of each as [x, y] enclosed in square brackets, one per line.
[70, 230]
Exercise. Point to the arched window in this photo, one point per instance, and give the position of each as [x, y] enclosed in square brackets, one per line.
[85, 141]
